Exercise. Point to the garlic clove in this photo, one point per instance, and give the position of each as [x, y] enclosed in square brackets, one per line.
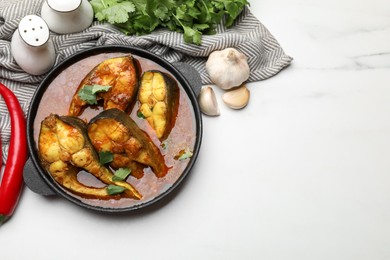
[208, 102]
[237, 98]
[227, 68]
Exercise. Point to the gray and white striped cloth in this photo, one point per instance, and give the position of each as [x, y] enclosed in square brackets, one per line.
[265, 56]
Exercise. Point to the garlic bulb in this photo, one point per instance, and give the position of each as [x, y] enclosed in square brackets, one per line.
[208, 102]
[237, 98]
[227, 68]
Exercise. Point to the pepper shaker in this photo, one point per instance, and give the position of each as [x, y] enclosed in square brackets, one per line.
[68, 16]
[32, 47]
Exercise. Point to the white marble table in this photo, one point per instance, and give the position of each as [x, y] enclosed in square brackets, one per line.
[303, 172]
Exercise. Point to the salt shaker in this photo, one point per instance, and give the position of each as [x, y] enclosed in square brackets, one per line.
[32, 47]
[68, 16]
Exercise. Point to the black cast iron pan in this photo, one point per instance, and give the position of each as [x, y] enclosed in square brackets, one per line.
[38, 179]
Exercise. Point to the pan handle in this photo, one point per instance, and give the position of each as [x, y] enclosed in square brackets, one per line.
[191, 74]
[34, 181]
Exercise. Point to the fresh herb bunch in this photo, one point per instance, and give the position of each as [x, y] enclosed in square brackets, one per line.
[191, 17]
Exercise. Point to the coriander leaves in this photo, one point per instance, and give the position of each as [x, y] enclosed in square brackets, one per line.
[88, 93]
[114, 189]
[121, 174]
[105, 157]
[193, 18]
[113, 11]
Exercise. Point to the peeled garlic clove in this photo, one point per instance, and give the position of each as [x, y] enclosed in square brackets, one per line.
[237, 98]
[208, 101]
[227, 68]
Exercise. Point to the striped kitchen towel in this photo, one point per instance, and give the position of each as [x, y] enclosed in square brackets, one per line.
[265, 56]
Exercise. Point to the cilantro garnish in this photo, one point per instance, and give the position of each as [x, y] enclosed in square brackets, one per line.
[140, 115]
[164, 145]
[121, 174]
[183, 154]
[85, 93]
[113, 189]
[88, 93]
[186, 155]
[105, 157]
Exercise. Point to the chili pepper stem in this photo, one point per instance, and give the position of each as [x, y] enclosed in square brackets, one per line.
[3, 219]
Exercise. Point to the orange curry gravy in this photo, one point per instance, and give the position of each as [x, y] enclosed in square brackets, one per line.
[57, 99]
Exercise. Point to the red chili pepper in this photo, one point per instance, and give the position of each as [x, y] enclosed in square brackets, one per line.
[12, 181]
[1, 153]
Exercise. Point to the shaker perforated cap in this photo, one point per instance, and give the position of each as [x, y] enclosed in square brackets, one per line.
[64, 6]
[34, 30]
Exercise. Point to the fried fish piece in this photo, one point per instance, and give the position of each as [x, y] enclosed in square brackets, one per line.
[159, 97]
[120, 74]
[65, 148]
[66, 175]
[114, 131]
